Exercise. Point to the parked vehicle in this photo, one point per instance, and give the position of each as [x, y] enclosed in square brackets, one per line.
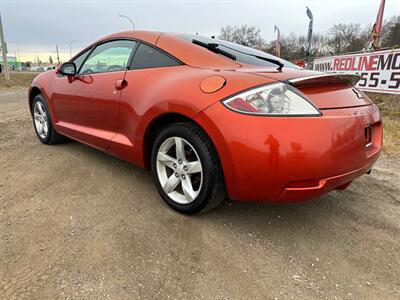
[210, 118]
[38, 69]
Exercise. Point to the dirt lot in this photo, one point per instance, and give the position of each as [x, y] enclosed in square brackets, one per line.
[78, 224]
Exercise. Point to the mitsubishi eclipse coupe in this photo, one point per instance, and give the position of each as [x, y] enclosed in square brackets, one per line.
[210, 118]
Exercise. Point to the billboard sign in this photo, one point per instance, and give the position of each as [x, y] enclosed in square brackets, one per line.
[379, 71]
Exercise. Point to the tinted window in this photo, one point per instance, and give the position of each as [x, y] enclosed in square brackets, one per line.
[243, 54]
[108, 57]
[149, 57]
[79, 60]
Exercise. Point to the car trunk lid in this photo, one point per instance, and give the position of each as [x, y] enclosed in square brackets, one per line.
[329, 91]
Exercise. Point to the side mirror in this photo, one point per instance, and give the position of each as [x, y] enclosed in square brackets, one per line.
[68, 68]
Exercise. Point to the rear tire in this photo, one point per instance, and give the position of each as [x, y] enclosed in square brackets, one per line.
[43, 123]
[191, 180]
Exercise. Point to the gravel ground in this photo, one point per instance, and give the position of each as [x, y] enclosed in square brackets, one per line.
[78, 224]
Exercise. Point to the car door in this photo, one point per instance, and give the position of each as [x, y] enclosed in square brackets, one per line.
[149, 66]
[64, 91]
[88, 110]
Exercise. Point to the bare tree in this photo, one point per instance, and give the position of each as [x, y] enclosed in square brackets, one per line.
[244, 35]
[340, 38]
[294, 46]
[320, 45]
[345, 38]
[227, 33]
[391, 32]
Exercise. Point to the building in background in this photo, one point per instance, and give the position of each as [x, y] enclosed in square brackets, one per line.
[13, 64]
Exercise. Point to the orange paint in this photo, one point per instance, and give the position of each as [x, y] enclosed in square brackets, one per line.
[212, 84]
[263, 158]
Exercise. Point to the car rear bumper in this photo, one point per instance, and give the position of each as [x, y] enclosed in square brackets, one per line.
[321, 186]
[289, 159]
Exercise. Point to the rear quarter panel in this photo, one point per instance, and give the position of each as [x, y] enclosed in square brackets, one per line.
[152, 93]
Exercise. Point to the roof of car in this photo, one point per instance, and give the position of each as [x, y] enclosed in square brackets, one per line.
[186, 52]
[146, 36]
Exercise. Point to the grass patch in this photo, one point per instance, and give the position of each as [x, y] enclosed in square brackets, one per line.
[18, 80]
[391, 136]
[389, 106]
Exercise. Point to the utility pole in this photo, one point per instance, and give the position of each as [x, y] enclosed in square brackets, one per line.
[58, 55]
[4, 52]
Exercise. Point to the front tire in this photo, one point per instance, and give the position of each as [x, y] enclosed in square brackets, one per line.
[42, 122]
[186, 169]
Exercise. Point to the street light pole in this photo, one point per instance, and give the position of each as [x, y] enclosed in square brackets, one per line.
[70, 47]
[129, 19]
[4, 52]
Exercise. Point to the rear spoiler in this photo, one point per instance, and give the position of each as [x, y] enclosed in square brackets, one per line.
[324, 79]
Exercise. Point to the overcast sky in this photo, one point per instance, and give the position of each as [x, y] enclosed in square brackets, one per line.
[37, 26]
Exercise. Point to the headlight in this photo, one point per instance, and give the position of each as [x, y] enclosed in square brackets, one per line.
[277, 99]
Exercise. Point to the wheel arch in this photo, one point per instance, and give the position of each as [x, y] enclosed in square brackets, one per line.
[157, 124]
[33, 92]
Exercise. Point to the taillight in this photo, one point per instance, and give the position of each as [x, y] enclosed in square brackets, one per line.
[276, 99]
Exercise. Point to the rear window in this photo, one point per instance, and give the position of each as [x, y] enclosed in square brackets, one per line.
[149, 57]
[245, 55]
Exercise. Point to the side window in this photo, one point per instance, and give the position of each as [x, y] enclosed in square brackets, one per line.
[149, 57]
[108, 57]
[80, 59]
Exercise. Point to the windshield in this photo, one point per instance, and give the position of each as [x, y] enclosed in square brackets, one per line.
[243, 54]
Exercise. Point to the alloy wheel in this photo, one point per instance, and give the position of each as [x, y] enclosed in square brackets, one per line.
[179, 170]
[41, 120]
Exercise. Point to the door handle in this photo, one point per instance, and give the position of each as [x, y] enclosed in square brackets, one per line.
[120, 84]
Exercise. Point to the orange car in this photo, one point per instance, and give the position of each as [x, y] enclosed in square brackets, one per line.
[210, 118]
